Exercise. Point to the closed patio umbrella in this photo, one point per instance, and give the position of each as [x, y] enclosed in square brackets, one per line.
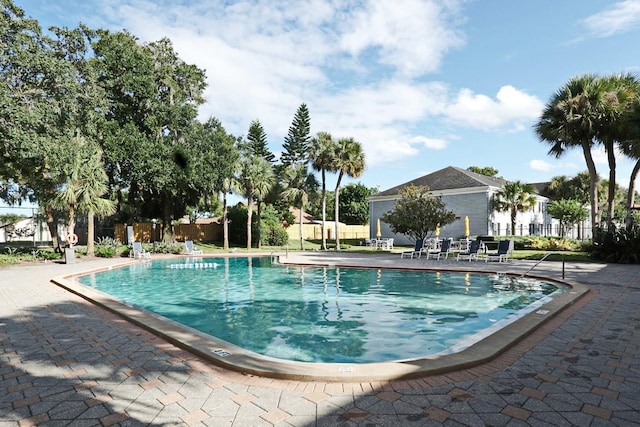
[466, 226]
[438, 230]
[378, 233]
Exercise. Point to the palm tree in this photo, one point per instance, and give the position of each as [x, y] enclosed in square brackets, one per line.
[322, 156]
[299, 188]
[631, 148]
[620, 92]
[349, 160]
[514, 197]
[229, 185]
[255, 180]
[570, 119]
[85, 182]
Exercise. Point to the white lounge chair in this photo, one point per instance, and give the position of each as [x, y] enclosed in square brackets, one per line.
[191, 249]
[137, 251]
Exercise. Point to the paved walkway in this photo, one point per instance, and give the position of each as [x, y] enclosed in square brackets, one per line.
[64, 361]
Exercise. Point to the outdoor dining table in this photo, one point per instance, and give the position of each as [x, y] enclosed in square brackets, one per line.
[381, 243]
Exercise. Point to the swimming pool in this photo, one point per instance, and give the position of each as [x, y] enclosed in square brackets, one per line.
[325, 314]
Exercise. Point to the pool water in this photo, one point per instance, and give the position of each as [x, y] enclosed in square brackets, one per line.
[324, 314]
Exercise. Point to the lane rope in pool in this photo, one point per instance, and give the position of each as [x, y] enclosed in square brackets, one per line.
[195, 265]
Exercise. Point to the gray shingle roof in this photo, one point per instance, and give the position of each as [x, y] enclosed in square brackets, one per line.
[449, 178]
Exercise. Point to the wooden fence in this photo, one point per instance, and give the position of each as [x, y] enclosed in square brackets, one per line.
[145, 232]
[314, 231]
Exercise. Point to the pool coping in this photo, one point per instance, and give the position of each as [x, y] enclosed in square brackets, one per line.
[232, 357]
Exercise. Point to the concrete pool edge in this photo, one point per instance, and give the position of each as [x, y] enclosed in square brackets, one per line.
[229, 356]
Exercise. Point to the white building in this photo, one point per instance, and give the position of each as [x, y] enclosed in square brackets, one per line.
[467, 194]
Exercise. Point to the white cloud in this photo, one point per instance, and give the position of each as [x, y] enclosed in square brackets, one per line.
[263, 58]
[511, 108]
[411, 36]
[431, 143]
[620, 17]
[541, 165]
[599, 156]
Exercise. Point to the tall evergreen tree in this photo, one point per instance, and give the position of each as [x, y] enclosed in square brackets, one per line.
[297, 140]
[257, 142]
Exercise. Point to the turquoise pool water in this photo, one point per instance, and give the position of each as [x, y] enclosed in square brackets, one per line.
[324, 314]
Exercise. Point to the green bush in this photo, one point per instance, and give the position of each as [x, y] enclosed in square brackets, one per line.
[105, 252]
[164, 248]
[271, 231]
[546, 243]
[618, 246]
[107, 247]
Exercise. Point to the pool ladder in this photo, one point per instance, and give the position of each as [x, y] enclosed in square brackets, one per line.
[538, 263]
[276, 258]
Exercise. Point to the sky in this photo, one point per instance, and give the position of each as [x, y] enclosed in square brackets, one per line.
[421, 84]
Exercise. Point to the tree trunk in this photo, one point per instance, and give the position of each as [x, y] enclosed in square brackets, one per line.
[53, 230]
[324, 211]
[72, 222]
[337, 210]
[611, 157]
[631, 194]
[514, 215]
[258, 228]
[91, 231]
[593, 189]
[168, 235]
[249, 215]
[225, 223]
[301, 228]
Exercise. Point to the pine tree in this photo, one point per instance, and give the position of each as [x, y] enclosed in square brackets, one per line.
[257, 142]
[297, 140]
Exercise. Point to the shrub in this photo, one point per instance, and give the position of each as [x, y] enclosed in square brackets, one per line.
[165, 248]
[107, 247]
[618, 246]
[271, 231]
[547, 243]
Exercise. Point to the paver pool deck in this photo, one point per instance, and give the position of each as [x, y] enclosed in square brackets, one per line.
[65, 361]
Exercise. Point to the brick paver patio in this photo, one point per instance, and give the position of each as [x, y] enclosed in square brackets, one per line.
[64, 361]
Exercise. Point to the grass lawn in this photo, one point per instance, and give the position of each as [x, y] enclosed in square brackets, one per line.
[18, 257]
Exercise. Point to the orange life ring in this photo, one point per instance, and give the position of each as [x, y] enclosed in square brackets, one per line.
[72, 238]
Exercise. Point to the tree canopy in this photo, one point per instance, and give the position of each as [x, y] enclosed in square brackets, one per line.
[514, 197]
[418, 213]
[568, 212]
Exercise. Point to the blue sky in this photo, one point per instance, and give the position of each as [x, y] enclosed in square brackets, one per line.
[421, 84]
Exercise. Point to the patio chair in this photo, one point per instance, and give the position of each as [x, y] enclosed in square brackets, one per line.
[444, 251]
[191, 249]
[416, 250]
[385, 244]
[505, 247]
[470, 254]
[429, 245]
[137, 251]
